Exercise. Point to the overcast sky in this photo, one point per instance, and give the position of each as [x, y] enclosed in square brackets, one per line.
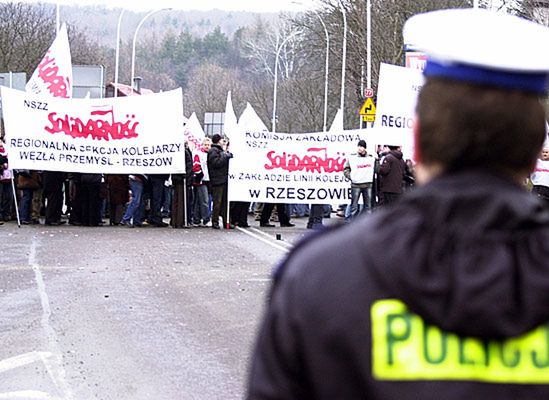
[235, 5]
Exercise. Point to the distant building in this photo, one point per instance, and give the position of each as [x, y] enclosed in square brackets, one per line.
[124, 90]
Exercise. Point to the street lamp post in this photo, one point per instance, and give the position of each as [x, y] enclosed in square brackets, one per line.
[117, 57]
[325, 72]
[273, 121]
[135, 37]
[343, 57]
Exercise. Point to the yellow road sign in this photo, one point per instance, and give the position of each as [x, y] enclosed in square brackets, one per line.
[368, 108]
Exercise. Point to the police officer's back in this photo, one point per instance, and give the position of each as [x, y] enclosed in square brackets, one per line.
[446, 294]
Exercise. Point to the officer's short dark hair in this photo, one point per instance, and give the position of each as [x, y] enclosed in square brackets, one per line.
[464, 125]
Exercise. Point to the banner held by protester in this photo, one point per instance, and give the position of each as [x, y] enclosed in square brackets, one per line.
[112, 135]
[304, 168]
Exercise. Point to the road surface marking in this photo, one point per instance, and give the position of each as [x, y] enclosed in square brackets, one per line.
[28, 395]
[270, 243]
[54, 364]
[22, 360]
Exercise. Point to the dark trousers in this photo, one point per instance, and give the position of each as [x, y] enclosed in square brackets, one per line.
[239, 213]
[6, 199]
[268, 209]
[157, 192]
[91, 204]
[388, 198]
[75, 217]
[315, 216]
[53, 193]
[219, 194]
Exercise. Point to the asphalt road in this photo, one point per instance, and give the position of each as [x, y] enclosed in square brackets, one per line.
[114, 313]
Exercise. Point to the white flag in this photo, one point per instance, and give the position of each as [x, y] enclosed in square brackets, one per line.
[249, 120]
[193, 132]
[230, 123]
[53, 76]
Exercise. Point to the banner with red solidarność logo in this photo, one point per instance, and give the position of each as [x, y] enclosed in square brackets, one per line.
[137, 134]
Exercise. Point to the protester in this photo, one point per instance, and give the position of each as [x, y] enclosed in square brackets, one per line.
[359, 169]
[316, 215]
[201, 181]
[6, 190]
[37, 203]
[134, 213]
[119, 187]
[282, 211]
[218, 168]
[540, 176]
[52, 182]
[157, 190]
[90, 200]
[444, 294]
[167, 195]
[29, 182]
[391, 172]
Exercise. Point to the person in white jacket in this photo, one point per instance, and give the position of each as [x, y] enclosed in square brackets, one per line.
[359, 169]
[540, 176]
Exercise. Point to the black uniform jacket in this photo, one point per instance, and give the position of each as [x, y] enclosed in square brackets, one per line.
[218, 165]
[445, 295]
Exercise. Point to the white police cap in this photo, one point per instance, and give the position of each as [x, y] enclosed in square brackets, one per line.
[481, 46]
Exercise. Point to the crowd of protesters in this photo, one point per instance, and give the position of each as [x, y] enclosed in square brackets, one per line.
[197, 198]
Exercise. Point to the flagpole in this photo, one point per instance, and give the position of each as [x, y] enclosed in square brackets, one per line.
[15, 201]
[117, 56]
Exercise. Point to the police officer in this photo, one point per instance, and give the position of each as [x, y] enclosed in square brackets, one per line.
[445, 294]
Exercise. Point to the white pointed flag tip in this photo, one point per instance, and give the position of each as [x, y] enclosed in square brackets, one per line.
[194, 134]
[230, 123]
[249, 120]
[337, 124]
[53, 76]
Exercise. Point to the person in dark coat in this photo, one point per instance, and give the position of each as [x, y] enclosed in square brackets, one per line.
[444, 295]
[218, 168]
[119, 188]
[391, 173]
[90, 200]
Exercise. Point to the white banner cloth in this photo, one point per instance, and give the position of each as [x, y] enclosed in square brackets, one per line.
[396, 103]
[304, 168]
[137, 134]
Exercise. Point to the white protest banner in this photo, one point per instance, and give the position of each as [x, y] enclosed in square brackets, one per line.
[302, 168]
[396, 100]
[53, 76]
[136, 134]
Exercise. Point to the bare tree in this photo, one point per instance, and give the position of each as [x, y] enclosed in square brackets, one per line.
[388, 17]
[26, 32]
[208, 87]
